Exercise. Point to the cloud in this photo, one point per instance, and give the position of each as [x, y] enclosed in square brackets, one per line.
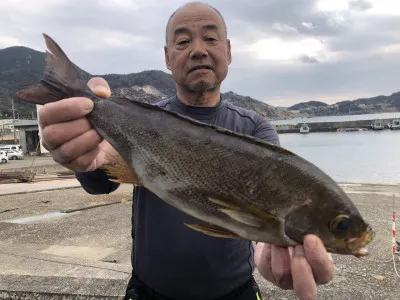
[8, 41]
[361, 5]
[309, 59]
[282, 50]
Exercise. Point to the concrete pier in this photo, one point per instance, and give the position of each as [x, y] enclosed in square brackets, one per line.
[329, 126]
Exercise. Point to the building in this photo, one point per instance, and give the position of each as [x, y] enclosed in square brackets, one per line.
[28, 134]
[6, 125]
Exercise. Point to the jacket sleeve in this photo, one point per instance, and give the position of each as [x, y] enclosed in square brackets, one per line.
[264, 130]
[96, 182]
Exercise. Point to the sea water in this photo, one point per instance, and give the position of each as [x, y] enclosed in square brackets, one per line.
[359, 157]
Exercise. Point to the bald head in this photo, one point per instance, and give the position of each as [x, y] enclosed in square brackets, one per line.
[193, 6]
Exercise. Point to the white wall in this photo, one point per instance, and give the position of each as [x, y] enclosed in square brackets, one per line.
[42, 149]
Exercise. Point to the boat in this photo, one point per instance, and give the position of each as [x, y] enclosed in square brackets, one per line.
[377, 125]
[395, 124]
[350, 129]
[304, 128]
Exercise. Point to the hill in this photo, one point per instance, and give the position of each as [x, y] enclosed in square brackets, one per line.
[22, 66]
[309, 104]
[378, 104]
[257, 106]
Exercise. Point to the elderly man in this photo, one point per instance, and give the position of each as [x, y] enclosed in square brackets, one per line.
[169, 260]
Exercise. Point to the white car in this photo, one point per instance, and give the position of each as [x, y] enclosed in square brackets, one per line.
[11, 147]
[12, 154]
[3, 157]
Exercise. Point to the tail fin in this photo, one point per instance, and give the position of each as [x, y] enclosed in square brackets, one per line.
[61, 78]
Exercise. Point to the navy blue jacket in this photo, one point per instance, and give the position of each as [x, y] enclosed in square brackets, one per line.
[169, 257]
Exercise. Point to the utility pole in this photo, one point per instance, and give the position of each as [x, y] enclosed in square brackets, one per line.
[13, 111]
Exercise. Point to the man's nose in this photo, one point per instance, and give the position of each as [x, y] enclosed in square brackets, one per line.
[198, 49]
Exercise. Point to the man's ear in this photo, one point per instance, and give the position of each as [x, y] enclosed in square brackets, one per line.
[167, 63]
[228, 44]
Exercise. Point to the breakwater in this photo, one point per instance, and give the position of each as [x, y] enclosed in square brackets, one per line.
[330, 126]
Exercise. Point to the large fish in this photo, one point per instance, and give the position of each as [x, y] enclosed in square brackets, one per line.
[236, 185]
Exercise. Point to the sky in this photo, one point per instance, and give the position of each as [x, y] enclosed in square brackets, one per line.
[284, 51]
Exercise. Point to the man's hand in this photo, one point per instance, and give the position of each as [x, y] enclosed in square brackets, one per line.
[68, 135]
[301, 268]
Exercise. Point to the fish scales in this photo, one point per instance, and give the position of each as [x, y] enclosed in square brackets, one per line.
[173, 167]
[237, 186]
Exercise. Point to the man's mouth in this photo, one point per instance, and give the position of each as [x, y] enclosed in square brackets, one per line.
[201, 67]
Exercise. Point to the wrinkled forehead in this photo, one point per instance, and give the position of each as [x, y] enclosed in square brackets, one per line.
[195, 18]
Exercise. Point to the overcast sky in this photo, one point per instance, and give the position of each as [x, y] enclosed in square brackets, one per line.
[284, 51]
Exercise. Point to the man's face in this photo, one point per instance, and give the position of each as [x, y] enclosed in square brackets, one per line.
[198, 52]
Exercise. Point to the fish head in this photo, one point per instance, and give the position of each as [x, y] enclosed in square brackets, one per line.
[347, 234]
[334, 218]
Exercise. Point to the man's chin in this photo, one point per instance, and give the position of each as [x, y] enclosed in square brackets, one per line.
[201, 86]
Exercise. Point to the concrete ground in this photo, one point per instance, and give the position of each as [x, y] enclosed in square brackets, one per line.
[79, 245]
[28, 161]
[41, 165]
[66, 244]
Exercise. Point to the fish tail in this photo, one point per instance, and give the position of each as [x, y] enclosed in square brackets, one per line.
[61, 78]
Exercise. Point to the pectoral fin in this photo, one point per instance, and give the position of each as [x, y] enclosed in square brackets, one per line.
[244, 218]
[119, 170]
[212, 230]
[223, 203]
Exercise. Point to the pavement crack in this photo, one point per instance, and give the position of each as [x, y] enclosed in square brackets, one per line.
[61, 262]
[89, 207]
[8, 210]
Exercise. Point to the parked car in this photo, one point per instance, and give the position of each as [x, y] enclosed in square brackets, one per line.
[14, 155]
[15, 147]
[3, 157]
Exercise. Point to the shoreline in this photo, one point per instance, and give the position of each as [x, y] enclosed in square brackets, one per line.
[353, 183]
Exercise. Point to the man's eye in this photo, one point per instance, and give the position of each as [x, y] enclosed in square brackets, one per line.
[181, 43]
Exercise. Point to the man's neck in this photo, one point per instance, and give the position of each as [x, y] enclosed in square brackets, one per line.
[205, 99]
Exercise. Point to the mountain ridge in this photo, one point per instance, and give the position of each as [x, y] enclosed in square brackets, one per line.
[21, 66]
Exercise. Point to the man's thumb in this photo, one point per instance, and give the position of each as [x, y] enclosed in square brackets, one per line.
[100, 87]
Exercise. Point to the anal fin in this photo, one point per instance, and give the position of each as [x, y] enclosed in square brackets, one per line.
[119, 170]
[212, 230]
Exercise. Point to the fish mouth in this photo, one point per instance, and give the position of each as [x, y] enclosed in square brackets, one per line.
[200, 67]
[357, 245]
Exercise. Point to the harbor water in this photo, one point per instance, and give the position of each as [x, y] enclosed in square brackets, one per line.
[351, 157]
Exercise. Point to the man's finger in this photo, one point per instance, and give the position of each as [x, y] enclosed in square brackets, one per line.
[303, 279]
[64, 110]
[59, 133]
[80, 145]
[100, 87]
[319, 259]
[85, 162]
[280, 265]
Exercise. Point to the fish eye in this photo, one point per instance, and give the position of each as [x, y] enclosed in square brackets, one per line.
[341, 224]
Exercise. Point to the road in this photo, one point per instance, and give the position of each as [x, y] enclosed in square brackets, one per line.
[27, 162]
